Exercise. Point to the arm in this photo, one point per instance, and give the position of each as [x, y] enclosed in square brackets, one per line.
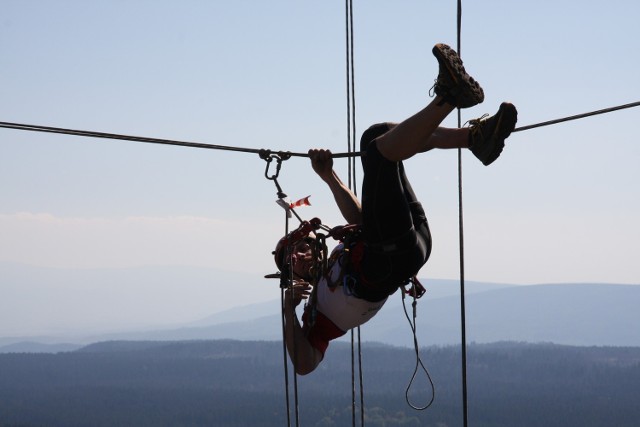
[347, 202]
[304, 356]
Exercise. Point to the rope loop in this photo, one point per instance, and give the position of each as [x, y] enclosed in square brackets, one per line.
[419, 364]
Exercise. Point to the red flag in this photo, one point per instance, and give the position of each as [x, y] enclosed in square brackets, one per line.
[301, 202]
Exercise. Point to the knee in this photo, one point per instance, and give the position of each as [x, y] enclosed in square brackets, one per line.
[374, 131]
[370, 135]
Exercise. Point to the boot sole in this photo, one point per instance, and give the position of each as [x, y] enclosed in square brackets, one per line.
[508, 119]
[469, 92]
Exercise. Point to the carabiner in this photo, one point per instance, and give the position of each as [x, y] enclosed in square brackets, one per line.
[269, 159]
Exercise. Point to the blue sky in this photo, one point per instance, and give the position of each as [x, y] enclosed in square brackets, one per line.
[560, 205]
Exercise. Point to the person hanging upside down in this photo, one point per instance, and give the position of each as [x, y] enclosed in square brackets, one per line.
[395, 241]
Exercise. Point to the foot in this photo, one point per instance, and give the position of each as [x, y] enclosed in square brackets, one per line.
[454, 85]
[487, 135]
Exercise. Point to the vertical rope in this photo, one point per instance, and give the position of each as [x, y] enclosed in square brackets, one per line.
[295, 352]
[348, 54]
[351, 147]
[353, 101]
[361, 377]
[463, 321]
[284, 353]
[284, 343]
[295, 344]
[353, 381]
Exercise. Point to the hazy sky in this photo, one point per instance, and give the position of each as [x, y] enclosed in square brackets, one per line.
[560, 205]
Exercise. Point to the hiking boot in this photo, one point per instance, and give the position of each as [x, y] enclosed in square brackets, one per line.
[453, 84]
[487, 135]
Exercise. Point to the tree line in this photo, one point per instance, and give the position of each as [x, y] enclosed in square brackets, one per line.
[238, 383]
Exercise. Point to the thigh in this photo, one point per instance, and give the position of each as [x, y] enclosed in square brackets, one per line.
[392, 218]
[385, 210]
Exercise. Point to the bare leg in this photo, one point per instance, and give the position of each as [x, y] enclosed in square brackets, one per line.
[448, 138]
[421, 132]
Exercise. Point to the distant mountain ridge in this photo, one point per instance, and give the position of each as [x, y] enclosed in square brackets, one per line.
[38, 347]
[569, 314]
[572, 314]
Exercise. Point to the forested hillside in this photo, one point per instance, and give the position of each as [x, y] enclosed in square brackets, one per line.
[234, 383]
